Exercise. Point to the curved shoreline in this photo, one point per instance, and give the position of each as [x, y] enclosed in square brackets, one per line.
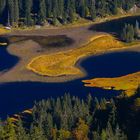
[29, 49]
[59, 61]
[61, 79]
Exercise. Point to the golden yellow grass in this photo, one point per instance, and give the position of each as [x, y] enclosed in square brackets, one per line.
[128, 83]
[3, 31]
[63, 63]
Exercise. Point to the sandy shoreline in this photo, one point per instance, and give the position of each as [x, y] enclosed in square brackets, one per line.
[28, 49]
[19, 73]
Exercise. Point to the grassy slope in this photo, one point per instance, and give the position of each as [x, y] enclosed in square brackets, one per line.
[128, 83]
[63, 63]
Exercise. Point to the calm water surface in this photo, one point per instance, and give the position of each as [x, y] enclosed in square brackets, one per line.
[15, 97]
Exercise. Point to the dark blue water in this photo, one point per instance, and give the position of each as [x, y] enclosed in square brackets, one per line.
[112, 64]
[7, 61]
[15, 97]
[115, 26]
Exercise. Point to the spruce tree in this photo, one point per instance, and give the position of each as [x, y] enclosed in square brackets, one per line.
[137, 29]
[61, 8]
[71, 10]
[114, 7]
[16, 12]
[42, 12]
[82, 8]
[28, 8]
[2, 6]
[20, 131]
[11, 11]
[101, 8]
[92, 9]
[128, 33]
[49, 8]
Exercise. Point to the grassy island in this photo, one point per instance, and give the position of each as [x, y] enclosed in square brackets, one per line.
[63, 63]
[127, 83]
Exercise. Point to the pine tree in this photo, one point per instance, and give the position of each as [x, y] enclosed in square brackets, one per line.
[61, 8]
[113, 114]
[48, 125]
[16, 12]
[92, 9]
[21, 132]
[28, 8]
[97, 104]
[101, 6]
[132, 33]
[71, 10]
[55, 9]
[89, 101]
[37, 133]
[82, 8]
[2, 6]
[114, 7]
[42, 12]
[137, 30]
[128, 33]
[49, 8]
[11, 11]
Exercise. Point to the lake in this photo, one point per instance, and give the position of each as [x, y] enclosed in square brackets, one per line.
[18, 96]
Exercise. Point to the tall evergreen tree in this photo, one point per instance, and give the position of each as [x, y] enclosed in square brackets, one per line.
[101, 8]
[16, 12]
[11, 11]
[128, 33]
[92, 9]
[82, 8]
[42, 12]
[2, 6]
[137, 30]
[28, 9]
[114, 7]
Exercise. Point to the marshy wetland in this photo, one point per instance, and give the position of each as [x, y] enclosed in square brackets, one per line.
[108, 57]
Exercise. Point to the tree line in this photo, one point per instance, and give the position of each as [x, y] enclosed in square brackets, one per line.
[71, 118]
[31, 12]
[130, 32]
